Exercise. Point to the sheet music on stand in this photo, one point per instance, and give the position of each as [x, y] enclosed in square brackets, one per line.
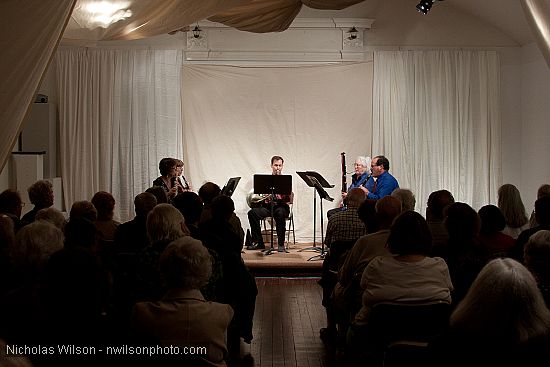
[318, 182]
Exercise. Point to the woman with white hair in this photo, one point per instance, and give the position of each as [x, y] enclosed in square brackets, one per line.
[358, 180]
[502, 321]
[182, 317]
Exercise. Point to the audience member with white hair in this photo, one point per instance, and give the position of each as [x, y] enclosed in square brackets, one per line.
[406, 197]
[182, 317]
[502, 321]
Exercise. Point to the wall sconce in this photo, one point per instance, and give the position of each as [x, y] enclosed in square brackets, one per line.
[197, 32]
[353, 33]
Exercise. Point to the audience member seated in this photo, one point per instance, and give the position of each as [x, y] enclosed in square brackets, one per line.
[207, 192]
[164, 225]
[41, 196]
[182, 317]
[83, 209]
[239, 286]
[7, 241]
[409, 276]
[11, 205]
[52, 215]
[131, 236]
[104, 203]
[159, 193]
[437, 202]
[491, 238]
[20, 308]
[502, 321]
[347, 292]
[406, 197]
[191, 207]
[544, 190]
[465, 255]
[537, 260]
[511, 206]
[344, 228]
[542, 213]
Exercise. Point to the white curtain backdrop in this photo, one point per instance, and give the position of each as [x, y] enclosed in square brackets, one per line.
[119, 114]
[236, 118]
[436, 117]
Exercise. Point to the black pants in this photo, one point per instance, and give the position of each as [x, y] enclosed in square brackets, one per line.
[280, 213]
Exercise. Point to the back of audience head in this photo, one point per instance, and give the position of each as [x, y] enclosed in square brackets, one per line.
[7, 233]
[41, 194]
[544, 190]
[503, 281]
[406, 197]
[190, 205]
[367, 214]
[222, 207]
[144, 203]
[537, 255]
[387, 209]
[159, 194]
[491, 218]
[83, 209]
[35, 243]
[355, 197]
[185, 264]
[437, 202]
[410, 235]
[53, 216]
[11, 203]
[510, 204]
[165, 223]
[462, 221]
[208, 191]
[104, 202]
[81, 232]
[542, 210]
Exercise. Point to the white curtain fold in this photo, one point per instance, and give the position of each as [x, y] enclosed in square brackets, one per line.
[236, 118]
[30, 31]
[119, 114]
[436, 117]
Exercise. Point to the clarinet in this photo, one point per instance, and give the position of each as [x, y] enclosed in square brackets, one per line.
[344, 178]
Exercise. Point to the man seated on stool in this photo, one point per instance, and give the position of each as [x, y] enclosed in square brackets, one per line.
[281, 210]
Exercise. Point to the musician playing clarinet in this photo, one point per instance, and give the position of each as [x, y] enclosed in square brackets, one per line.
[281, 210]
[358, 180]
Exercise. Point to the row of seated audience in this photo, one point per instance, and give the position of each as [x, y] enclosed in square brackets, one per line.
[173, 275]
[405, 258]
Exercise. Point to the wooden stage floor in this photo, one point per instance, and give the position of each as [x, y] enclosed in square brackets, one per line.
[301, 260]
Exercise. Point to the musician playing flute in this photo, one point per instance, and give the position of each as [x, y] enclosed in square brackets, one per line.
[281, 210]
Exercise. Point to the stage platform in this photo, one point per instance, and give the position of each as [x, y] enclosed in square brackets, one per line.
[294, 263]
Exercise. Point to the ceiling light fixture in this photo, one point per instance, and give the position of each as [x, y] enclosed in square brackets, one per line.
[353, 33]
[197, 31]
[424, 6]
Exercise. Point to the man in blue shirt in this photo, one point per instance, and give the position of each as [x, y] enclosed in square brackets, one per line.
[381, 183]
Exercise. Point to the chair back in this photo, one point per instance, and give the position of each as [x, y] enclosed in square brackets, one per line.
[400, 332]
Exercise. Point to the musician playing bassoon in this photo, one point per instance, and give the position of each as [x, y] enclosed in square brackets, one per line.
[358, 180]
[281, 210]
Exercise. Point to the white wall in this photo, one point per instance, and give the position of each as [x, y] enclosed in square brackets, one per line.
[532, 164]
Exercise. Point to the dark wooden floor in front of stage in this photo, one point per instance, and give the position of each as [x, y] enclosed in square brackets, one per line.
[287, 320]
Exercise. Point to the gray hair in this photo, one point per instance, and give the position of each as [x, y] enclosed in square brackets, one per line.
[406, 197]
[52, 215]
[185, 264]
[164, 223]
[503, 281]
[365, 161]
[35, 243]
[537, 255]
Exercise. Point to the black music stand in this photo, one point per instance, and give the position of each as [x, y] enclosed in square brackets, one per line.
[318, 182]
[273, 185]
[230, 186]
